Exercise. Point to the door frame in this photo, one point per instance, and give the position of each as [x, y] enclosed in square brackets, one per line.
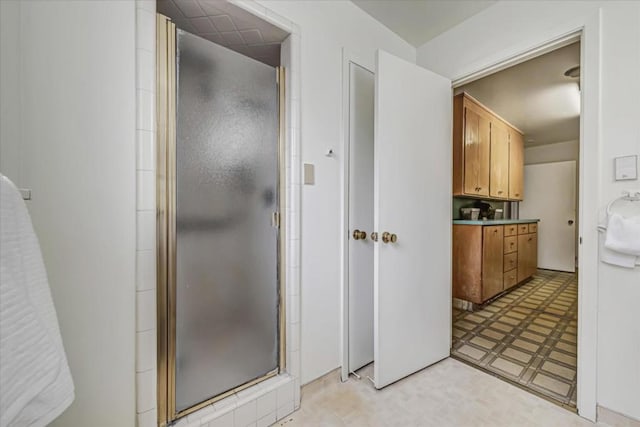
[348, 57]
[589, 33]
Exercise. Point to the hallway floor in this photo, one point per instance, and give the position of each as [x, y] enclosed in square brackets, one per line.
[449, 393]
[527, 336]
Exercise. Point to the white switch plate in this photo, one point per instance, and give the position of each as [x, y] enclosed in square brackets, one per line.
[626, 168]
[309, 174]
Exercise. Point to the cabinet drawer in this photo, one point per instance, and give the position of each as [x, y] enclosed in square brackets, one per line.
[510, 278]
[510, 244]
[533, 227]
[510, 261]
[523, 228]
[510, 230]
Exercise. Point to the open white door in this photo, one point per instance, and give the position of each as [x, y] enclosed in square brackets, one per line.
[412, 281]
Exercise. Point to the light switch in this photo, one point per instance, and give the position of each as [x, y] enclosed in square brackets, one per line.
[309, 174]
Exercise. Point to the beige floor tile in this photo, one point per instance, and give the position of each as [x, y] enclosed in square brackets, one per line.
[517, 354]
[509, 320]
[465, 325]
[472, 352]
[568, 337]
[539, 329]
[544, 322]
[509, 367]
[484, 343]
[492, 334]
[562, 357]
[551, 384]
[474, 318]
[569, 348]
[533, 337]
[526, 345]
[501, 327]
[561, 371]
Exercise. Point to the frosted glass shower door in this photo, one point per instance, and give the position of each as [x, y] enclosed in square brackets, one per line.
[226, 290]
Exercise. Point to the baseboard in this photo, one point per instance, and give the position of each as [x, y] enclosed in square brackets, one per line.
[613, 418]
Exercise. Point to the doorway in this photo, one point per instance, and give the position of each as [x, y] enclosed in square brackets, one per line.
[525, 330]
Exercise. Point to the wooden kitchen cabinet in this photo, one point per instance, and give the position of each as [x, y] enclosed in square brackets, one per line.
[516, 165]
[490, 259]
[472, 147]
[483, 162]
[499, 177]
[527, 255]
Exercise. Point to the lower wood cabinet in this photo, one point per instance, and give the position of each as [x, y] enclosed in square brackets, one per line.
[489, 259]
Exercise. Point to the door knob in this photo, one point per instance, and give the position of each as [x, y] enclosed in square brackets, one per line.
[359, 235]
[374, 236]
[388, 237]
[570, 222]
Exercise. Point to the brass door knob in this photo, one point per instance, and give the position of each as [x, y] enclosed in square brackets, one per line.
[389, 237]
[359, 235]
[374, 236]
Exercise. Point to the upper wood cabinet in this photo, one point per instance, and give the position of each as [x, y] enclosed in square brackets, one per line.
[499, 178]
[483, 163]
[516, 165]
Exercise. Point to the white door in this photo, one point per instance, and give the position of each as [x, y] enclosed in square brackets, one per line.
[550, 195]
[361, 98]
[412, 199]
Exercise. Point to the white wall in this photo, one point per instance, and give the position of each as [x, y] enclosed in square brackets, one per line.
[10, 90]
[326, 27]
[74, 147]
[556, 152]
[508, 28]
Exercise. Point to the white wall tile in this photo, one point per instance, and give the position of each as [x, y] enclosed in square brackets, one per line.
[145, 310]
[145, 70]
[267, 420]
[145, 270]
[293, 367]
[145, 110]
[146, 230]
[146, 350]
[293, 335]
[146, 192]
[145, 30]
[145, 150]
[284, 393]
[266, 404]
[245, 414]
[225, 420]
[148, 419]
[296, 392]
[146, 390]
[284, 410]
[148, 5]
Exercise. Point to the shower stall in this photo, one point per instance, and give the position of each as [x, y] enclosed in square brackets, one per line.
[220, 305]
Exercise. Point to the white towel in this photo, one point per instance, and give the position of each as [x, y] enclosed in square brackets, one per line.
[623, 234]
[34, 375]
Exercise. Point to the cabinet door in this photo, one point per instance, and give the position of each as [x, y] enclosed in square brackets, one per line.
[476, 153]
[532, 242]
[492, 261]
[499, 179]
[523, 257]
[516, 165]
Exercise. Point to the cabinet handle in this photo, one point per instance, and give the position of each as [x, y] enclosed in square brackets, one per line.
[500, 192]
[517, 194]
[530, 238]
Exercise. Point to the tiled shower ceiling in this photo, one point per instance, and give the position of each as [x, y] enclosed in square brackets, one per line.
[227, 25]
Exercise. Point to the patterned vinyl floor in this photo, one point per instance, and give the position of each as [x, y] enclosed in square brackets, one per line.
[527, 336]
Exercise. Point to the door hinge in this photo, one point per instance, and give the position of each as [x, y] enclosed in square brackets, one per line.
[275, 220]
[580, 240]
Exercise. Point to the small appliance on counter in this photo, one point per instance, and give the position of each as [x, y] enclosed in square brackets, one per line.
[498, 214]
[470, 213]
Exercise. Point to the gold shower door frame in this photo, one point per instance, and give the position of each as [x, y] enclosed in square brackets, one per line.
[166, 231]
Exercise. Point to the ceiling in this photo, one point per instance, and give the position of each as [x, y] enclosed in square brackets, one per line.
[418, 21]
[227, 25]
[535, 96]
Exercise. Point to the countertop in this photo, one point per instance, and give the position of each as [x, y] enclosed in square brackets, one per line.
[494, 221]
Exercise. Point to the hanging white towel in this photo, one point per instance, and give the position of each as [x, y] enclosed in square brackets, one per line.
[34, 375]
[623, 234]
